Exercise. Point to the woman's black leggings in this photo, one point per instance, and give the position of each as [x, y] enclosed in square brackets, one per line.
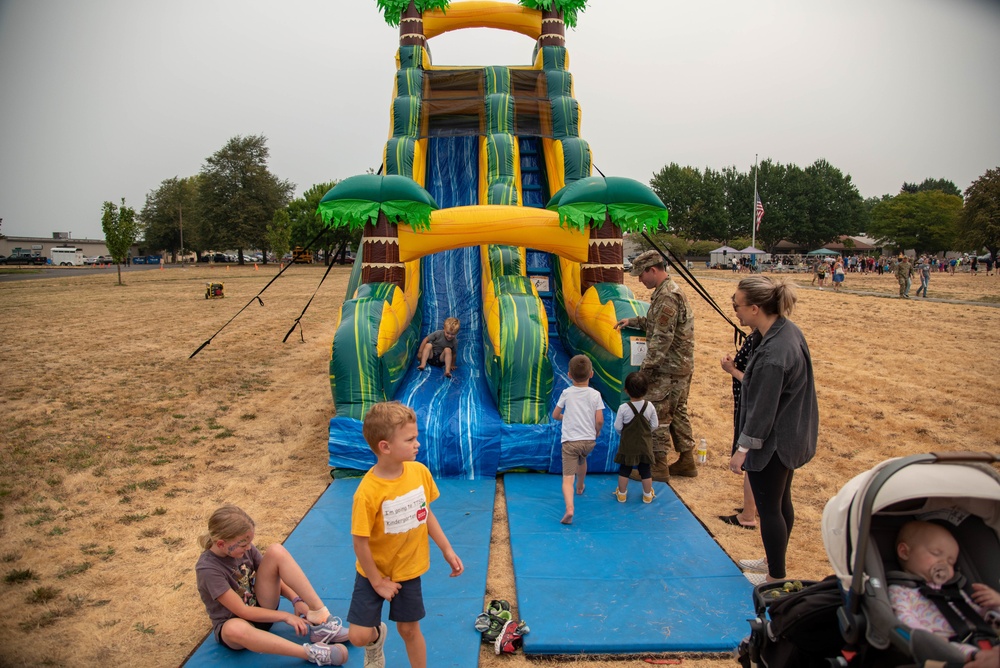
[645, 470]
[772, 490]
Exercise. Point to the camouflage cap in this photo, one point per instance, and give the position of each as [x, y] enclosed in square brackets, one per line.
[650, 258]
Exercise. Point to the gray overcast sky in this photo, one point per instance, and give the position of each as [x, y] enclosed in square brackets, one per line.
[106, 98]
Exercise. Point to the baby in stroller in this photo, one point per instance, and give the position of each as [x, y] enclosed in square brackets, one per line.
[932, 599]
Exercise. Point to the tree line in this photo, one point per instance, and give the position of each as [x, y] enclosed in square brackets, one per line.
[815, 205]
[235, 202]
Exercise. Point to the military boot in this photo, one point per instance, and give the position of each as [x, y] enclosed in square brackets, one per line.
[660, 471]
[685, 467]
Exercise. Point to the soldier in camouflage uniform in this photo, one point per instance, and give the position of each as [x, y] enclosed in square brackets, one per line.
[904, 274]
[669, 364]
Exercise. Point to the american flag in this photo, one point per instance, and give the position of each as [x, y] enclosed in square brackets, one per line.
[758, 212]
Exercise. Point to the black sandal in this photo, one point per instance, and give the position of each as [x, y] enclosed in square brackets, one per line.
[734, 520]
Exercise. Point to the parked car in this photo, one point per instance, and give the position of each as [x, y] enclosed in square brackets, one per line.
[90, 261]
[627, 265]
[24, 259]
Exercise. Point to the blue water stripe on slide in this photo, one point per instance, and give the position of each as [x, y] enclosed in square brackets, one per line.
[321, 543]
[624, 578]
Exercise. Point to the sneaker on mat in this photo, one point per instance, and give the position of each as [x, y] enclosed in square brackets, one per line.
[755, 578]
[493, 631]
[648, 498]
[621, 496]
[331, 632]
[323, 654]
[374, 651]
[509, 639]
[756, 565]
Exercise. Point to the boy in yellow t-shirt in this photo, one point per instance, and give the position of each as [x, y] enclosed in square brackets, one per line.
[390, 522]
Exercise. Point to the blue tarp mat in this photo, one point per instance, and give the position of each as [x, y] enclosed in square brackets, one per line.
[624, 577]
[322, 545]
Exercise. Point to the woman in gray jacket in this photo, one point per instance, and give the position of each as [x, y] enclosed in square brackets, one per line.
[778, 415]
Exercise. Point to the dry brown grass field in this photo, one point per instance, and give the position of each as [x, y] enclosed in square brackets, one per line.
[116, 447]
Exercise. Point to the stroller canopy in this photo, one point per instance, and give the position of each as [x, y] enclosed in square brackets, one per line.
[947, 491]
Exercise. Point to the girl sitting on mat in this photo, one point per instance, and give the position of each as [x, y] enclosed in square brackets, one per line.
[241, 588]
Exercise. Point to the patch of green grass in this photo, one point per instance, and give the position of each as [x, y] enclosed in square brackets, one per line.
[53, 481]
[19, 575]
[246, 417]
[58, 531]
[151, 533]
[151, 485]
[178, 416]
[42, 594]
[196, 428]
[160, 510]
[8, 557]
[74, 569]
[132, 449]
[173, 542]
[94, 550]
[225, 433]
[212, 424]
[47, 618]
[142, 628]
[132, 518]
[161, 460]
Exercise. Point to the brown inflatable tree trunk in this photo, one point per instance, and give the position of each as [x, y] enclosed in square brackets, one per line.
[411, 27]
[553, 29]
[604, 256]
[380, 254]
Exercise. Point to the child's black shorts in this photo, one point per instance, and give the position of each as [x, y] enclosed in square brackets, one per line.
[366, 604]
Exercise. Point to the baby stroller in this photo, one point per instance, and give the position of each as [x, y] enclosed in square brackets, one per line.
[958, 490]
[846, 619]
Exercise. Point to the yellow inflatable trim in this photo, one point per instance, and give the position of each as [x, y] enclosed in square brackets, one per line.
[483, 14]
[463, 226]
[398, 314]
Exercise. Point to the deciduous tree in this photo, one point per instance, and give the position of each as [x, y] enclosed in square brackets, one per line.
[170, 219]
[979, 224]
[238, 195]
[120, 232]
[925, 221]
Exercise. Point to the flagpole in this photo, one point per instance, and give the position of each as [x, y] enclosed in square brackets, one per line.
[753, 206]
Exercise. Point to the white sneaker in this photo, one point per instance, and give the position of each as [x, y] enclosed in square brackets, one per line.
[755, 578]
[374, 651]
[326, 655]
[331, 631]
[756, 565]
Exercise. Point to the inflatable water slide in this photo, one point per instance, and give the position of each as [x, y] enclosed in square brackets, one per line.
[485, 210]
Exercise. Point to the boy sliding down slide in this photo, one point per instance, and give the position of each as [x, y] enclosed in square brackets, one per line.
[438, 348]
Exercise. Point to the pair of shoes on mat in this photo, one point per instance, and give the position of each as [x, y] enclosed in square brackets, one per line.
[375, 650]
[323, 654]
[734, 520]
[330, 632]
[755, 578]
[757, 565]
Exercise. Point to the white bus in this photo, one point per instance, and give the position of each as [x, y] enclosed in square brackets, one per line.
[67, 256]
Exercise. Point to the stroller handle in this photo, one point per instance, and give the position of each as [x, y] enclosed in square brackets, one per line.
[983, 457]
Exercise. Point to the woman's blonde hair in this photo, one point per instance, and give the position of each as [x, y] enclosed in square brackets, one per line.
[774, 296]
[226, 523]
